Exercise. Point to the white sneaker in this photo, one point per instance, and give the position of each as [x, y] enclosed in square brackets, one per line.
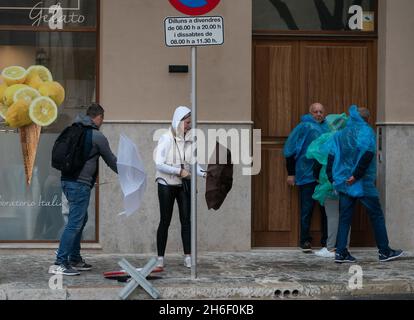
[187, 261]
[160, 262]
[325, 253]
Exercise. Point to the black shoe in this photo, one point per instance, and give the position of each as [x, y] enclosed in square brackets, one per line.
[81, 265]
[391, 255]
[344, 257]
[306, 247]
[63, 269]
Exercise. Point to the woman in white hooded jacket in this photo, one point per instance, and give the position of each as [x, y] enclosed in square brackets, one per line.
[173, 162]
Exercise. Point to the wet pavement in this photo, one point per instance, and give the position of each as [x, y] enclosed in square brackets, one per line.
[258, 274]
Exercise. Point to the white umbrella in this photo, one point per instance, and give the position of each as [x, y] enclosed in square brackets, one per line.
[131, 175]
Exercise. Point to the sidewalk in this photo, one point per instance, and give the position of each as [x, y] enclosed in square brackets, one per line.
[278, 274]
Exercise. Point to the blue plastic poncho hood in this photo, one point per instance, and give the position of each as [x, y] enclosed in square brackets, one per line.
[348, 147]
[297, 144]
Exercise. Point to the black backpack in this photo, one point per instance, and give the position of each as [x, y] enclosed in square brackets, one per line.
[71, 150]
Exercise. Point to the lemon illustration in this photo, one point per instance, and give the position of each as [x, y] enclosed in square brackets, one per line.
[53, 90]
[14, 75]
[3, 107]
[40, 71]
[43, 111]
[34, 81]
[8, 94]
[3, 88]
[28, 94]
[17, 115]
[3, 111]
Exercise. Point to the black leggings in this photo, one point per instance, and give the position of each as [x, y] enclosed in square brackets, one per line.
[167, 196]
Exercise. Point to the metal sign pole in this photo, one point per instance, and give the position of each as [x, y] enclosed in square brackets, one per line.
[194, 166]
[173, 38]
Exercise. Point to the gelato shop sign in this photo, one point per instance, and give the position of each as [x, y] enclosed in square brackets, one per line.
[55, 16]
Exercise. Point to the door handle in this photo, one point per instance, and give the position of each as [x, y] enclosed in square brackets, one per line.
[276, 143]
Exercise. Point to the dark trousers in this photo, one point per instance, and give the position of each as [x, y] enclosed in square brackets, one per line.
[346, 211]
[307, 204]
[167, 196]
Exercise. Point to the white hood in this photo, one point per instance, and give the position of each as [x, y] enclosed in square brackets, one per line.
[179, 114]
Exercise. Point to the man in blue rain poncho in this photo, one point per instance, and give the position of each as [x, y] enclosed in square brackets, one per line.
[352, 169]
[300, 170]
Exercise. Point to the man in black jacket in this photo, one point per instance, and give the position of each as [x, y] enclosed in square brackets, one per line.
[78, 191]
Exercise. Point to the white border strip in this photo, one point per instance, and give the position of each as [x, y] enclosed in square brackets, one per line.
[28, 8]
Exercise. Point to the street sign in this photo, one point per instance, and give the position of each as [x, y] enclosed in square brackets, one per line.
[194, 7]
[194, 31]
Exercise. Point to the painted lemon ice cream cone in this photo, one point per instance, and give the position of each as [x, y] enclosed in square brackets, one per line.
[29, 100]
[29, 140]
[42, 112]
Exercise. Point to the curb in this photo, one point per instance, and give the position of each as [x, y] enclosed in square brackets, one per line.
[276, 291]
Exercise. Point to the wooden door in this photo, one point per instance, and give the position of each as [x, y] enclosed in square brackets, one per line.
[276, 109]
[289, 75]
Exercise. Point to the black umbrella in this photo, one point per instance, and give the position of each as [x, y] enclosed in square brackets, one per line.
[219, 177]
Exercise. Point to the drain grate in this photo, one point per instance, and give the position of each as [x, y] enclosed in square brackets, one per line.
[287, 293]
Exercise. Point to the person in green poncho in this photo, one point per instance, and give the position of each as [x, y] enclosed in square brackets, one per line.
[324, 191]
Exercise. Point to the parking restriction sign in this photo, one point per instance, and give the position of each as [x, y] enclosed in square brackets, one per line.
[194, 31]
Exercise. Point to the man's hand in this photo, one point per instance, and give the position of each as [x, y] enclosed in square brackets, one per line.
[351, 181]
[291, 180]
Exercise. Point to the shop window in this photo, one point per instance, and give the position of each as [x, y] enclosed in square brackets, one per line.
[38, 213]
[310, 15]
